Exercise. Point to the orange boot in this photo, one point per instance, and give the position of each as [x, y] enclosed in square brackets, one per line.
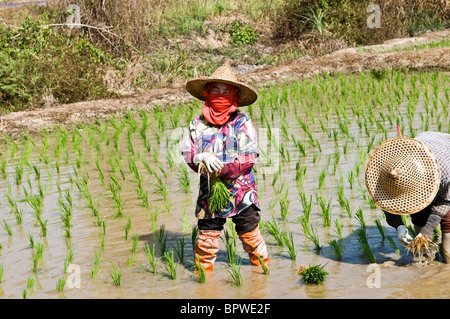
[255, 245]
[206, 247]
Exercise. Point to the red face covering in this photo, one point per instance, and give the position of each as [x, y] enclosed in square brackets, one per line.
[218, 107]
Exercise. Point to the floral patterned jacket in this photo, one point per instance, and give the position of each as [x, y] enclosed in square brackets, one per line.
[235, 144]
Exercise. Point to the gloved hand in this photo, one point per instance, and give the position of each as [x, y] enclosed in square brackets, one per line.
[212, 163]
[403, 235]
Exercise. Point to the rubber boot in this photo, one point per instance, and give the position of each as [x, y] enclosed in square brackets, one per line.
[445, 248]
[255, 245]
[206, 247]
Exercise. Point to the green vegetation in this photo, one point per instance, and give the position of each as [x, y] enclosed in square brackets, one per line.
[242, 33]
[124, 47]
[314, 275]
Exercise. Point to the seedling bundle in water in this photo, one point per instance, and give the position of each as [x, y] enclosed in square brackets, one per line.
[313, 274]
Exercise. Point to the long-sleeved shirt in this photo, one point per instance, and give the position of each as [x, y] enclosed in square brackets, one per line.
[235, 144]
[439, 144]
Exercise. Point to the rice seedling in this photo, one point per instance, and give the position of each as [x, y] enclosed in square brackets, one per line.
[350, 178]
[186, 223]
[7, 227]
[314, 275]
[116, 274]
[272, 227]
[135, 242]
[179, 249]
[335, 248]
[314, 237]
[362, 238]
[60, 284]
[160, 188]
[199, 270]
[325, 210]
[360, 218]
[162, 244]
[194, 235]
[151, 257]
[218, 195]
[265, 269]
[184, 180]
[31, 281]
[322, 177]
[127, 228]
[380, 228]
[300, 172]
[25, 293]
[284, 206]
[230, 242]
[2, 272]
[96, 264]
[235, 274]
[288, 239]
[170, 265]
[18, 214]
[338, 228]
[392, 243]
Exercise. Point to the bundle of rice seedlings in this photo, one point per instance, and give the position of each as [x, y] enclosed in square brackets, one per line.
[218, 191]
[312, 274]
[422, 248]
[218, 194]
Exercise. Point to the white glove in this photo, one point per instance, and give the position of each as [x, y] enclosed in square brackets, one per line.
[212, 163]
[403, 235]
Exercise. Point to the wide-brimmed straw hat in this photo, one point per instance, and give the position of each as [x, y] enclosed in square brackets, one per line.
[223, 74]
[402, 176]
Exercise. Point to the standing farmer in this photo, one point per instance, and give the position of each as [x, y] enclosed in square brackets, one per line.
[223, 140]
[406, 176]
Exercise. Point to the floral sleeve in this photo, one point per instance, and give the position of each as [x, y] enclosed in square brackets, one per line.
[189, 149]
[247, 150]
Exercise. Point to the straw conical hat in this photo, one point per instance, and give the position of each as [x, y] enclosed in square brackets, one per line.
[223, 74]
[402, 176]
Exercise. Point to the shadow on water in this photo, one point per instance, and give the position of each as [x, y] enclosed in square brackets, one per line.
[353, 253]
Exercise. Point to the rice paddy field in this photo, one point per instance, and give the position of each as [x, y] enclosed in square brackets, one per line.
[106, 210]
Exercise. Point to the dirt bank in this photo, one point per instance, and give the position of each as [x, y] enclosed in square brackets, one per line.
[343, 61]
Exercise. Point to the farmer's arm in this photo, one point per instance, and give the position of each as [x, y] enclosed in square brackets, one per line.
[247, 150]
[189, 149]
[438, 211]
[393, 220]
[241, 164]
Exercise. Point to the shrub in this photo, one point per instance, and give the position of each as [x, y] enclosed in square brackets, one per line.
[37, 60]
[347, 20]
[242, 33]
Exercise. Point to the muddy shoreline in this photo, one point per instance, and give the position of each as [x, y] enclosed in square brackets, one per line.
[345, 61]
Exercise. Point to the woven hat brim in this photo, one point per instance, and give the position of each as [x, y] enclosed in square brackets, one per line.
[416, 198]
[196, 87]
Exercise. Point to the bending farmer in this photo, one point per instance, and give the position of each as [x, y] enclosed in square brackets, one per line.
[223, 141]
[406, 176]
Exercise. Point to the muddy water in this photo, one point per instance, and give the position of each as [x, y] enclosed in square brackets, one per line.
[352, 277]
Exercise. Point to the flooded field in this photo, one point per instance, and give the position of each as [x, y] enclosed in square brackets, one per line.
[97, 211]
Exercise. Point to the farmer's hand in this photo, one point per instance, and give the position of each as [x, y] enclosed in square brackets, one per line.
[403, 235]
[212, 163]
